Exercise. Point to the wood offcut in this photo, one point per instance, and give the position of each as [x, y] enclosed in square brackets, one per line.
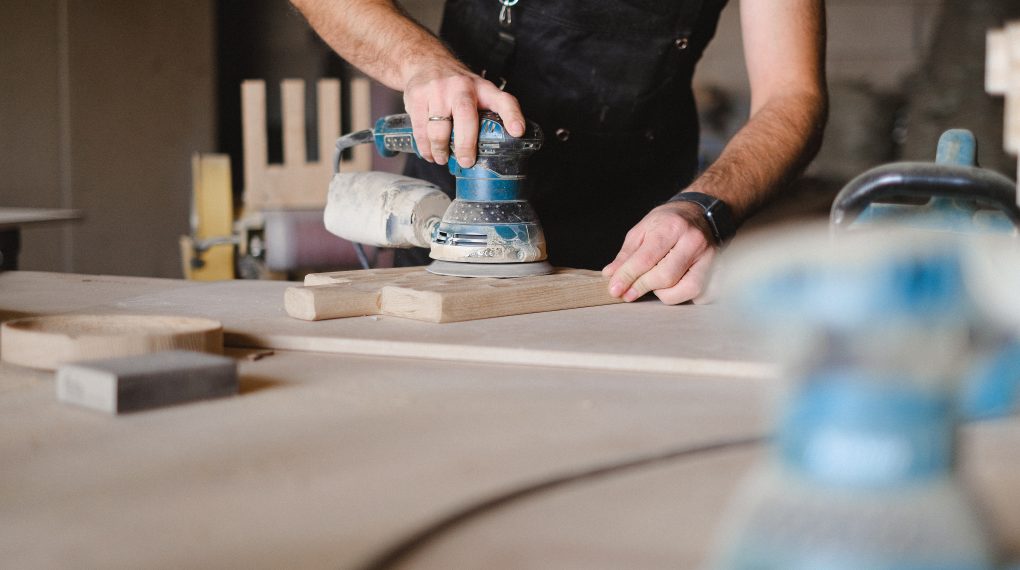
[47, 342]
[414, 293]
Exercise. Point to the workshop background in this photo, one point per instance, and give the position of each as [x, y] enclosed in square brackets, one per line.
[103, 103]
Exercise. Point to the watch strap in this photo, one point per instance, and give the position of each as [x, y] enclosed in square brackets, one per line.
[717, 213]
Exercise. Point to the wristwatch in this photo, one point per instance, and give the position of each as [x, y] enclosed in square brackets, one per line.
[717, 213]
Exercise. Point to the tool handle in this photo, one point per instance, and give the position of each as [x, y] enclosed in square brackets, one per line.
[954, 176]
[914, 180]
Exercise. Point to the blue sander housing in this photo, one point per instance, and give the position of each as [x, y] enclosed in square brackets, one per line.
[489, 230]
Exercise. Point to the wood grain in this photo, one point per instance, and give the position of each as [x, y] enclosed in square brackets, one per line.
[645, 336]
[48, 342]
[298, 182]
[414, 293]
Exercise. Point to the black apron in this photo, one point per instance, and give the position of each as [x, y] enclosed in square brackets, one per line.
[610, 84]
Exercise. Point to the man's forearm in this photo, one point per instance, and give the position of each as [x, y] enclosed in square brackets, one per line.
[440, 93]
[377, 37]
[767, 153]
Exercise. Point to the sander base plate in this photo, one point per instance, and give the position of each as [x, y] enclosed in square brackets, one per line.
[497, 270]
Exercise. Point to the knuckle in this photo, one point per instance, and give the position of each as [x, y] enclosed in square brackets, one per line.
[648, 258]
[644, 284]
[462, 82]
[671, 226]
[464, 106]
[508, 99]
[669, 297]
[625, 275]
[434, 86]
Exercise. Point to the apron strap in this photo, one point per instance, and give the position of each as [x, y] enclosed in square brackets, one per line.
[500, 55]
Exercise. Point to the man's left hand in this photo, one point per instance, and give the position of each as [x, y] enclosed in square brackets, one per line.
[668, 252]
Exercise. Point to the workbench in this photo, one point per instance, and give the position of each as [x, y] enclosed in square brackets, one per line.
[12, 220]
[362, 459]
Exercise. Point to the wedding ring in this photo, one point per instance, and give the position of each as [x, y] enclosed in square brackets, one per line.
[440, 118]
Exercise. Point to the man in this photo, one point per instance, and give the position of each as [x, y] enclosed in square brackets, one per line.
[609, 83]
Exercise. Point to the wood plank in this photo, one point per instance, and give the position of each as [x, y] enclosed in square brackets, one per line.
[293, 95]
[1012, 109]
[646, 336]
[1002, 77]
[298, 183]
[642, 337]
[253, 129]
[415, 293]
[328, 112]
[361, 119]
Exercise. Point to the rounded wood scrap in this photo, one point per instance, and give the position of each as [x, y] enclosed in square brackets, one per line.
[47, 342]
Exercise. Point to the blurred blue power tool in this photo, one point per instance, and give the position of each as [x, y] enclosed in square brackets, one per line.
[874, 329]
[489, 230]
[951, 194]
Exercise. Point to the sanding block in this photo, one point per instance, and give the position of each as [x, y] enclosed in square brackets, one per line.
[131, 383]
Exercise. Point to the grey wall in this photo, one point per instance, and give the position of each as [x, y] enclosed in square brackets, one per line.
[878, 42]
[101, 105]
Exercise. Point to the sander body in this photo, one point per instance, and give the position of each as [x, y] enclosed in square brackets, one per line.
[488, 230]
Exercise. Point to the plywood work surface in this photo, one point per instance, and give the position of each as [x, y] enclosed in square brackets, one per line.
[334, 460]
[641, 337]
[414, 293]
[644, 336]
[34, 293]
[670, 515]
[322, 461]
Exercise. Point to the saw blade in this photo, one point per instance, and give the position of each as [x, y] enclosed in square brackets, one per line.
[497, 270]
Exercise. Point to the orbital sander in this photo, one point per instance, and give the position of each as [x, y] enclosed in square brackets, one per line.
[488, 230]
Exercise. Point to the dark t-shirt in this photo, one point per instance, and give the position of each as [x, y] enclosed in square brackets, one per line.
[610, 84]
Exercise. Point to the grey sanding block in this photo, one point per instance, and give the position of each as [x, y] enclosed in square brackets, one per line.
[118, 385]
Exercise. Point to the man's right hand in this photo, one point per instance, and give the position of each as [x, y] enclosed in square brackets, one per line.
[379, 39]
[448, 89]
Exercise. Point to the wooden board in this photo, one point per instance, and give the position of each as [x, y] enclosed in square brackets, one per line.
[298, 182]
[414, 293]
[645, 336]
[1002, 77]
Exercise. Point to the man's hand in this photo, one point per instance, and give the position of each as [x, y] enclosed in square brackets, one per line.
[381, 40]
[668, 252]
[444, 88]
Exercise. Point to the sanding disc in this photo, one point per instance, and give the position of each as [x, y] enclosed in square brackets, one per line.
[498, 270]
[47, 342]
